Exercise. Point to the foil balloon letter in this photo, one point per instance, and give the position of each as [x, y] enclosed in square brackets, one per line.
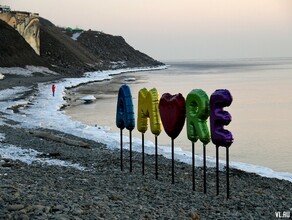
[148, 108]
[198, 111]
[125, 117]
[220, 137]
[172, 112]
[219, 118]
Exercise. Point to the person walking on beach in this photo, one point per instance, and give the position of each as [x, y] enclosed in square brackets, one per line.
[53, 89]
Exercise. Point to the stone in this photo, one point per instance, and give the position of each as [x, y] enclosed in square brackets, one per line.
[15, 207]
[194, 216]
[58, 208]
[78, 211]
[23, 217]
[115, 197]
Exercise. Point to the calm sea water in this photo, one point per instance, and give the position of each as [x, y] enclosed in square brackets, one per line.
[261, 109]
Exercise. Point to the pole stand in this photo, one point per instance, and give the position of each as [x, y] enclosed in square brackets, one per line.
[172, 159]
[156, 158]
[227, 172]
[121, 150]
[217, 170]
[193, 165]
[130, 133]
[143, 158]
[205, 167]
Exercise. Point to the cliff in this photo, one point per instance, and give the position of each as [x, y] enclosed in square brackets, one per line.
[14, 50]
[27, 25]
[92, 50]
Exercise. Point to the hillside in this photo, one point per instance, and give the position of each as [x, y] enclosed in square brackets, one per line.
[92, 51]
[113, 49]
[63, 53]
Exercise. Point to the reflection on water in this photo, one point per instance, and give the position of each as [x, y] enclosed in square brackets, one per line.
[261, 108]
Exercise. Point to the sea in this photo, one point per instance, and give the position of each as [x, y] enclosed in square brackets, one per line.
[261, 109]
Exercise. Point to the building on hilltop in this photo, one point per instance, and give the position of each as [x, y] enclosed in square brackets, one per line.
[4, 9]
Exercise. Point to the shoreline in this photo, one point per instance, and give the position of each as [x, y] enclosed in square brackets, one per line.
[103, 76]
[182, 155]
[40, 191]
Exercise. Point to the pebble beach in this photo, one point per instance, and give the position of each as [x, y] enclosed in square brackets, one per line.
[98, 189]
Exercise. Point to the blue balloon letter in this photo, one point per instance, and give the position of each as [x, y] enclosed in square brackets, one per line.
[125, 109]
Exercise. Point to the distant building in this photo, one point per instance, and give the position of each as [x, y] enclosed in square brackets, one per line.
[4, 9]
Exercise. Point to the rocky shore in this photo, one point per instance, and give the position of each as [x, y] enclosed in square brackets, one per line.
[98, 189]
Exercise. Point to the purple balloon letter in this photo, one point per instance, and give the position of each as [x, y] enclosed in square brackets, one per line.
[218, 118]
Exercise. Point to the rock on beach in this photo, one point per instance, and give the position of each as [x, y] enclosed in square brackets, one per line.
[103, 191]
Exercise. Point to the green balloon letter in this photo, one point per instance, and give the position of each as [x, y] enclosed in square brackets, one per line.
[198, 111]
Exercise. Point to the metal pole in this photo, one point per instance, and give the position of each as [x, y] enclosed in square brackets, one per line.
[205, 179]
[130, 151]
[217, 170]
[143, 151]
[172, 156]
[121, 139]
[193, 164]
[156, 158]
[227, 171]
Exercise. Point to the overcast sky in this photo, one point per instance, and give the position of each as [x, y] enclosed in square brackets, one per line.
[180, 29]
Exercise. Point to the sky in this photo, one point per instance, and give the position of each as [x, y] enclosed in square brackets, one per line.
[170, 30]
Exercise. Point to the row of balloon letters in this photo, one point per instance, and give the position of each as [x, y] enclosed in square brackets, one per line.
[174, 110]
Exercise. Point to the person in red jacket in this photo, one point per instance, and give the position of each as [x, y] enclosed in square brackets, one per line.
[53, 89]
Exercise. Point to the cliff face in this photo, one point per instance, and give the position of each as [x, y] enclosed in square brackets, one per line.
[14, 50]
[91, 51]
[27, 24]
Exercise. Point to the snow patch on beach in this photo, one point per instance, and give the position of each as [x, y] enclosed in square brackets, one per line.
[40, 69]
[30, 156]
[45, 113]
[16, 92]
[15, 71]
[27, 71]
[262, 171]
[2, 137]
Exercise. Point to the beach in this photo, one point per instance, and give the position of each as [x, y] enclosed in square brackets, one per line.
[256, 86]
[44, 175]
